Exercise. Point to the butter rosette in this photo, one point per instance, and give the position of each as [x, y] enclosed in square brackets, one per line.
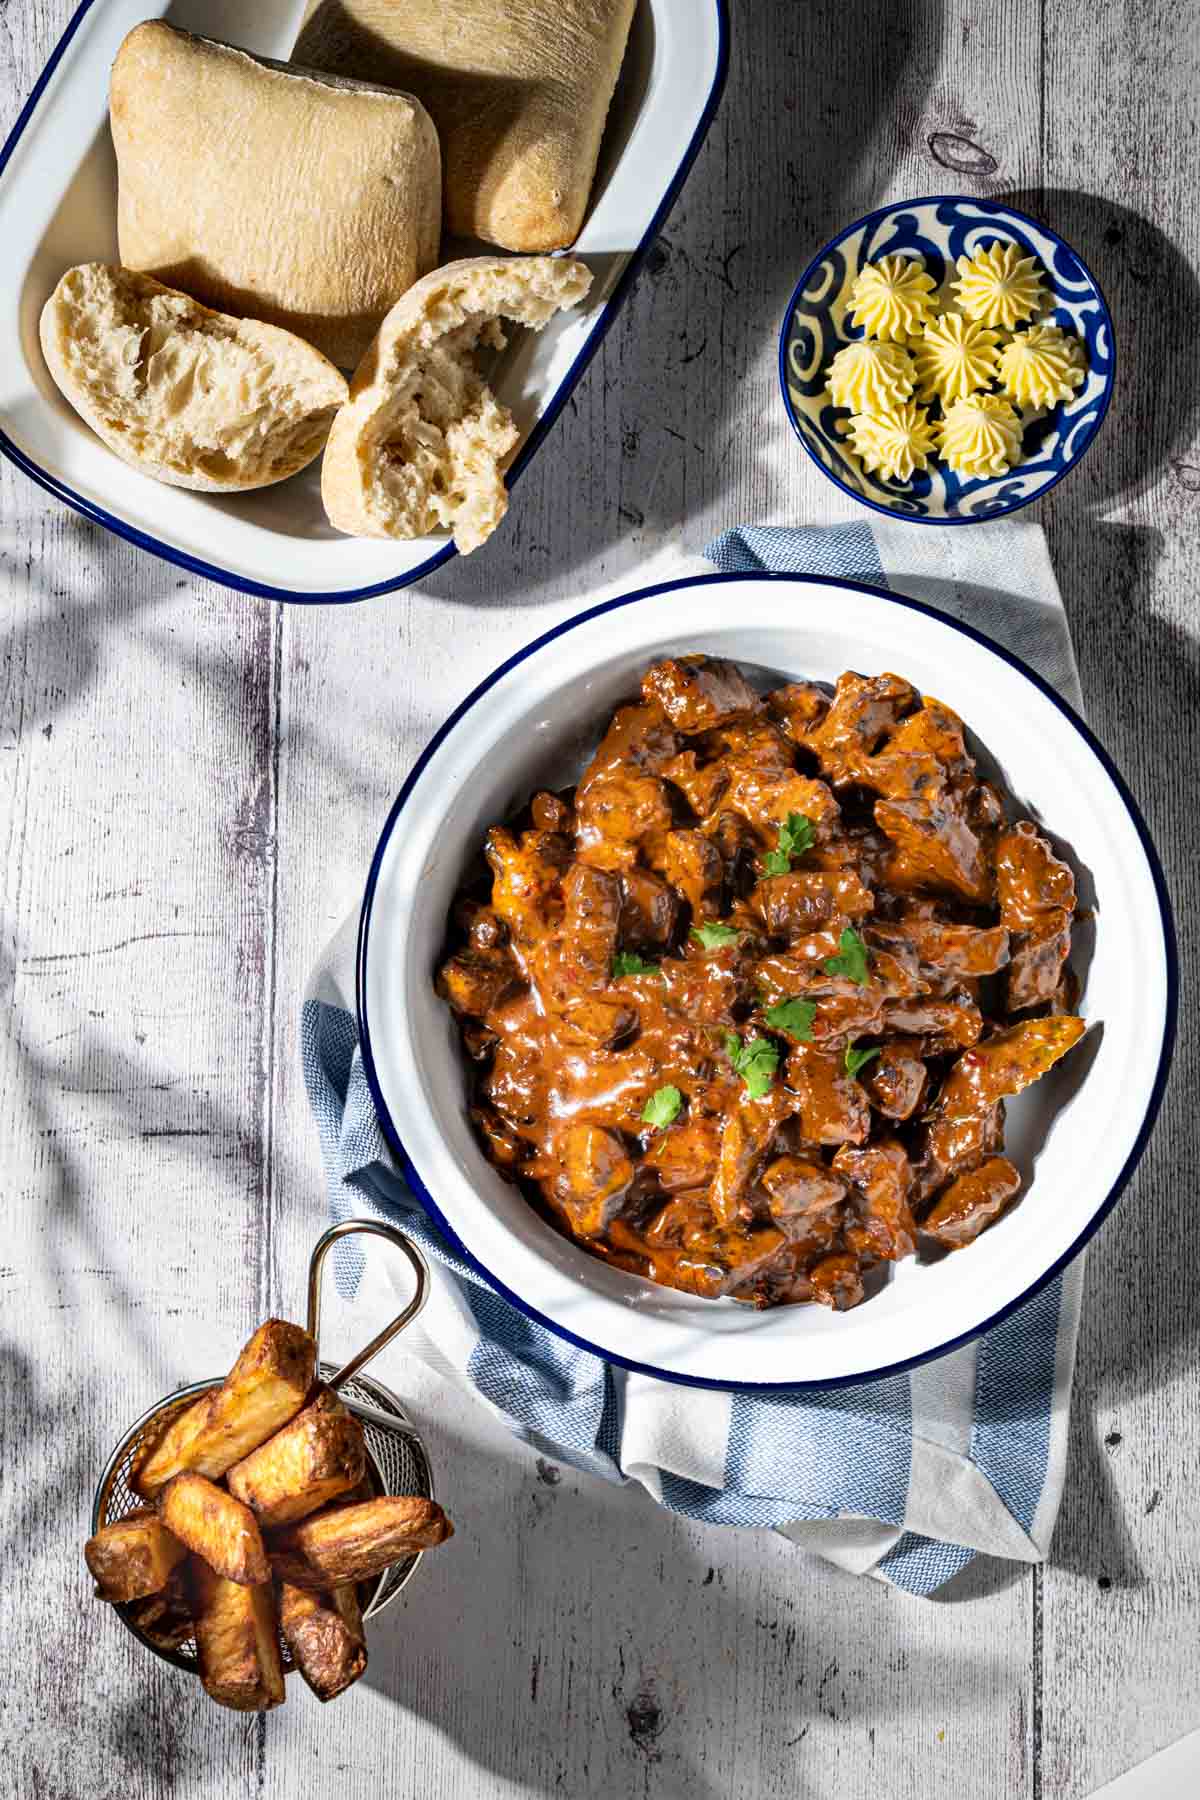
[892, 299]
[998, 286]
[868, 375]
[1042, 366]
[981, 435]
[954, 358]
[895, 442]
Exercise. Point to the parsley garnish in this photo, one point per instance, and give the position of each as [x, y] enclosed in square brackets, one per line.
[756, 1063]
[853, 959]
[858, 1059]
[714, 936]
[626, 962]
[795, 837]
[793, 1016]
[662, 1106]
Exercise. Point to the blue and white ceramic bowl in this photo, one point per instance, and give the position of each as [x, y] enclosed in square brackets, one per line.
[941, 229]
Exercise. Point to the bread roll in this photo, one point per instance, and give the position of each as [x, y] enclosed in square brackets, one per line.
[308, 202]
[191, 397]
[421, 443]
[518, 89]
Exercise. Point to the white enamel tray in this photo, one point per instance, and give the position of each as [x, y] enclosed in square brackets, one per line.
[58, 207]
[1076, 1136]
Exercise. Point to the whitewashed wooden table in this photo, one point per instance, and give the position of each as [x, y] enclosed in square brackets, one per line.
[191, 787]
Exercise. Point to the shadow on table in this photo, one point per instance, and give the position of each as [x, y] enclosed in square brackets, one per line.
[1150, 289]
[1140, 1327]
[575, 1637]
[656, 433]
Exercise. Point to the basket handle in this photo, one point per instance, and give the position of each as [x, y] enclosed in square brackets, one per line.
[420, 1268]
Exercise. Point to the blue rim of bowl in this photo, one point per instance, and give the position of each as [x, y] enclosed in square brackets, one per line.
[345, 596]
[1170, 956]
[1001, 209]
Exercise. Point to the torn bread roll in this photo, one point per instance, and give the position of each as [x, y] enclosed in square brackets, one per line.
[296, 198]
[518, 89]
[422, 443]
[191, 397]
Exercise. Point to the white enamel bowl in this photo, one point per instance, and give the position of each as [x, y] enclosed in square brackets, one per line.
[1076, 1135]
[58, 207]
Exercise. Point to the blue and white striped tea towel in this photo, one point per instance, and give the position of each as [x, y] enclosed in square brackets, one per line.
[907, 1477]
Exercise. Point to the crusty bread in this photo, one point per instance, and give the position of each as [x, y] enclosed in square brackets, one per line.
[421, 443]
[192, 397]
[306, 201]
[519, 91]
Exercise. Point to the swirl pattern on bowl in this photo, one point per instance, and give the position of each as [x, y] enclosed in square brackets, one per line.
[941, 229]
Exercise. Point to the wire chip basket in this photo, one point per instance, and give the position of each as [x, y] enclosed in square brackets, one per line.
[396, 1462]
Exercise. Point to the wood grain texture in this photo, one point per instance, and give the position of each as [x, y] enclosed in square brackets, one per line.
[1121, 1597]
[190, 787]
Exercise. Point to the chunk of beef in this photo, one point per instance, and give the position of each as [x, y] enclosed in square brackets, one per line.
[801, 902]
[594, 1175]
[474, 983]
[960, 1126]
[896, 1079]
[595, 1020]
[797, 1188]
[881, 1182]
[501, 1143]
[616, 812]
[765, 798]
[747, 1134]
[935, 849]
[527, 875]
[688, 1248]
[552, 813]
[694, 867]
[972, 1203]
[484, 929]
[1036, 892]
[799, 708]
[863, 711]
[702, 784]
[836, 1281]
[685, 1156]
[947, 953]
[944, 1024]
[698, 692]
[705, 988]
[833, 1106]
[649, 909]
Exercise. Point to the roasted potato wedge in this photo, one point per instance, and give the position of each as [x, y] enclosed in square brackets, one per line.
[237, 1640]
[133, 1556]
[324, 1633]
[267, 1386]
[166, 1617]
[317, 1456]
[216, 1528]
[352, 1543]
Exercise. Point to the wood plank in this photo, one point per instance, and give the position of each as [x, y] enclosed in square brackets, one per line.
[136, 820]
[1121, 1600]
[575, 1638]
[137, 890]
